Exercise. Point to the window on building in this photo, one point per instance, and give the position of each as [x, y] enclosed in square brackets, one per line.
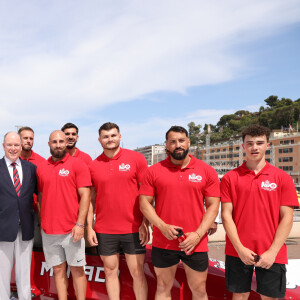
[223, 156]
[212, 151]
[230, 148]
[236, 155]
[286, 150]
[217, 156]
[268, 159]
[268, 152]
[292, 141]
[211, 157]
[218, 150]
[229, 155]
[287, 168]
[237, 148]
[285, 159]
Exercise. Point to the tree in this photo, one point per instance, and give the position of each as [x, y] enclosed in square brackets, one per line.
[241, 113]
[272, 101]
[194, 132]
[225, 119]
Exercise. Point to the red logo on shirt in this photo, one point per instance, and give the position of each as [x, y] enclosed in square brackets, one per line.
[267, 186]
[195, 178]
[63, 172]
[124, 167]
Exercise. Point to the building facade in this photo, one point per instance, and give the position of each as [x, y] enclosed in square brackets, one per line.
[153, 154]
[284, 153]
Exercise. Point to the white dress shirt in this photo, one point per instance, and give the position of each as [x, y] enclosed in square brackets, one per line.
[10, 168]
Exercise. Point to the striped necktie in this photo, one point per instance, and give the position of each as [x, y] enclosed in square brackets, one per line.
[17, 181]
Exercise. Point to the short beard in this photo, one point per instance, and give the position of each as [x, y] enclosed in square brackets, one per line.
[58, 153]
[26, 150]
[179, 156]
[71, 146]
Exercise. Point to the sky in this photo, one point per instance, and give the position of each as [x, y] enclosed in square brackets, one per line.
[145, 65]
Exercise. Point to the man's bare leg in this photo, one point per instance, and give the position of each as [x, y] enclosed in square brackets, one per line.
[267, 298]
[111, 266]
[135, 264]
[245, 296]
[240, 296]
[197, 282]
[79, 282]
[61, 280]
[165, 279]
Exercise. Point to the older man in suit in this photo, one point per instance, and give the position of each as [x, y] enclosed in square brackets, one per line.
[17, 185]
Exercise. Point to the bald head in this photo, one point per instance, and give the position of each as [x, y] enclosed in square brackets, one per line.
[12, 146]
[11, 134]
[58, 145]
[57, 133]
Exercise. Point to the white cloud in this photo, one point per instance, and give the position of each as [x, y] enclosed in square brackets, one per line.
[61, 60]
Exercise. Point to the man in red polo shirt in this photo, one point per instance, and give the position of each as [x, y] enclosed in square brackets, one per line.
[64, 193]
[27, 138]
[257, 213]
[116, 175]
[71, 132]
[179, 184]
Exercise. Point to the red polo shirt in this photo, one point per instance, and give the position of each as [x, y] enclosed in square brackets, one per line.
[36, 159]
[116, 182]
[83, 156]
[179, 197]
[59, 182]
[256, 203]
[39, 161]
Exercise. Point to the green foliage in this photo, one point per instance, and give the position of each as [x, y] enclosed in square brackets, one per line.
[278, 113]
[194, 132]
[272, 101]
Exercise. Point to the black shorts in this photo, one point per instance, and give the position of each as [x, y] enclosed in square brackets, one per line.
[109, 244]
[164, 258]
[270, 282]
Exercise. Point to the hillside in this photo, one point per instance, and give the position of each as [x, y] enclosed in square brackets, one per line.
[278, 113]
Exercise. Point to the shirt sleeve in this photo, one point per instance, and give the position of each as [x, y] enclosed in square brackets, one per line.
[141, 167]
[225, 190]
[83, 176]
[212, 187]
[288, 192]
[147, 187]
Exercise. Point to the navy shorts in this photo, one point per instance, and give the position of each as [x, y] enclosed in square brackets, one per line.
[109, 244]
[164, 258]
[270, 282]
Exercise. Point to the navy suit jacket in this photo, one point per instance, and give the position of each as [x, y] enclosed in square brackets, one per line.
[16, 210]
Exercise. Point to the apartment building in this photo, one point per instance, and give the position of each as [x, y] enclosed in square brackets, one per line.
[153, 154]
[284, 153]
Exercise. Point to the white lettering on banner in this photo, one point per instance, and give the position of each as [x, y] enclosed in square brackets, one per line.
[44, 268]
[93, 273]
